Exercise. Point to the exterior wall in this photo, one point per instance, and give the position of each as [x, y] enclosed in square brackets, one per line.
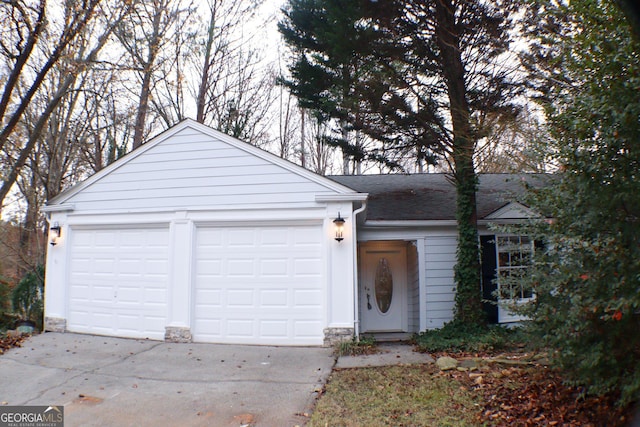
[436, 253]
[193, 170]
[337, 282]
[432, 299]
[195, 177]
[440, 258]
[413, 282]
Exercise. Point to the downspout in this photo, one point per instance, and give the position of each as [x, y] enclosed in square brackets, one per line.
[356, 320]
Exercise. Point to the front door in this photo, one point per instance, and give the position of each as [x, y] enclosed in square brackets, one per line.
[383, 287]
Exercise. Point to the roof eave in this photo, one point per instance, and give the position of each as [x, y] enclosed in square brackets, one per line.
[348, 197]
[410, 223]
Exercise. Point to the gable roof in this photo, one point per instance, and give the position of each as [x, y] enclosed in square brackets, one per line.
[329, 185]
[432, 197]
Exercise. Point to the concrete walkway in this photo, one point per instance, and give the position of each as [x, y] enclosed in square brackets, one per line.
[389, 354]
[103, 381]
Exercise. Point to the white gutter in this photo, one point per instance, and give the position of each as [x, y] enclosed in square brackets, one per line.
[348, 197]
[356, 320]
[410, 223]
[58, 208]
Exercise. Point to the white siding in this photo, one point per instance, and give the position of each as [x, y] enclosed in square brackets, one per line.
[440, 258]
[193, 170]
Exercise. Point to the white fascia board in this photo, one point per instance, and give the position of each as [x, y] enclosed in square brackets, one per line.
[411, 223]
[349, 197]
[523, 211]
[502, 221]
[68, 207]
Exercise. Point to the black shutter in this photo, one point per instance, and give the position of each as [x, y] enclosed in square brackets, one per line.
[489, 286]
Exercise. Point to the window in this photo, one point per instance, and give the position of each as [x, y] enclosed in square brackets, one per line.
[514, 256]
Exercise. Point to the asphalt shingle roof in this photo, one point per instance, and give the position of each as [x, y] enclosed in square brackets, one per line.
[433, 196]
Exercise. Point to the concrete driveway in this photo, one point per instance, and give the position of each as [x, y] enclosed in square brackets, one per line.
[104, 381]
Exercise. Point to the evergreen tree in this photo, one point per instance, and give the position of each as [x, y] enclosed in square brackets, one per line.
[419, 75]
[586, 66]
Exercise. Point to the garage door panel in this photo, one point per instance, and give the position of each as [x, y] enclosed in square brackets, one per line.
[274, 328]
[118, 282]
[240, 298]
[275, 267]
[306, 329]
[240, 267]
[273, 238]
[275, 298]
[241, 238]
[245, 287]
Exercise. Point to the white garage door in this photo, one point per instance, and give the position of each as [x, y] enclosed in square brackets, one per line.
[118, 282]
[259, 285]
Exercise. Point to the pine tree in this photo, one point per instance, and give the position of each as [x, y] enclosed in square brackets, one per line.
[419, 75]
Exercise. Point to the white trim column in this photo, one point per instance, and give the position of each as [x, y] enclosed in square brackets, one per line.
[182, 231]
[55, 289]
[422, 284]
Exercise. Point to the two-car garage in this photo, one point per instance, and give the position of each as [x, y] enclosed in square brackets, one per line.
[197, 236]
[250, 284]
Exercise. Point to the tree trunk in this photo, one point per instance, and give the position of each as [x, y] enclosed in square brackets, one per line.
[145, 89]
[206, 66]
[468, 307]
[345, 155]
[143, 107]
[27, 259]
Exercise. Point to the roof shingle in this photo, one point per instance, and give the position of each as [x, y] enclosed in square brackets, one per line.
[433, 196]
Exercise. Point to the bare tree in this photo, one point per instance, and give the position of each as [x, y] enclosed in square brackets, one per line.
[147, 36]
[220, 43]
[235, 90]
[514, 145]
[73, 50]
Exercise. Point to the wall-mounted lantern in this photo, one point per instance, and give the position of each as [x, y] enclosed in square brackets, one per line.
[56, 231]
[339, 223]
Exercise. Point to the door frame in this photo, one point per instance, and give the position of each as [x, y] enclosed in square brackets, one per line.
[383, 245]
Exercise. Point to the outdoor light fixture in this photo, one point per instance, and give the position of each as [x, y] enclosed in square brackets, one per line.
[339, 222]
[57, 232]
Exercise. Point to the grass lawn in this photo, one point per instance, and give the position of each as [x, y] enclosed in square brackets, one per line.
[397, 396]
[503, 389]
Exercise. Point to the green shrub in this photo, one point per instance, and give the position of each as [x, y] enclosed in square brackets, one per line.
[587, 280]
[27, 297]
[455, 337]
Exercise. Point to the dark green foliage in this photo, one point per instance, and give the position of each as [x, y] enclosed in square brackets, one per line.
[27, 297]
[5, 320]
[455, 336]
[422, 78]
[587, 281]
[468, 309]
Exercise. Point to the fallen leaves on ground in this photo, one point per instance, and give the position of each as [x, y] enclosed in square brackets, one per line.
[10, 341]
[517, 391]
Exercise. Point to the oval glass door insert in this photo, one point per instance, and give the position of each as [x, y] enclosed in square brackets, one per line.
[383, 285]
